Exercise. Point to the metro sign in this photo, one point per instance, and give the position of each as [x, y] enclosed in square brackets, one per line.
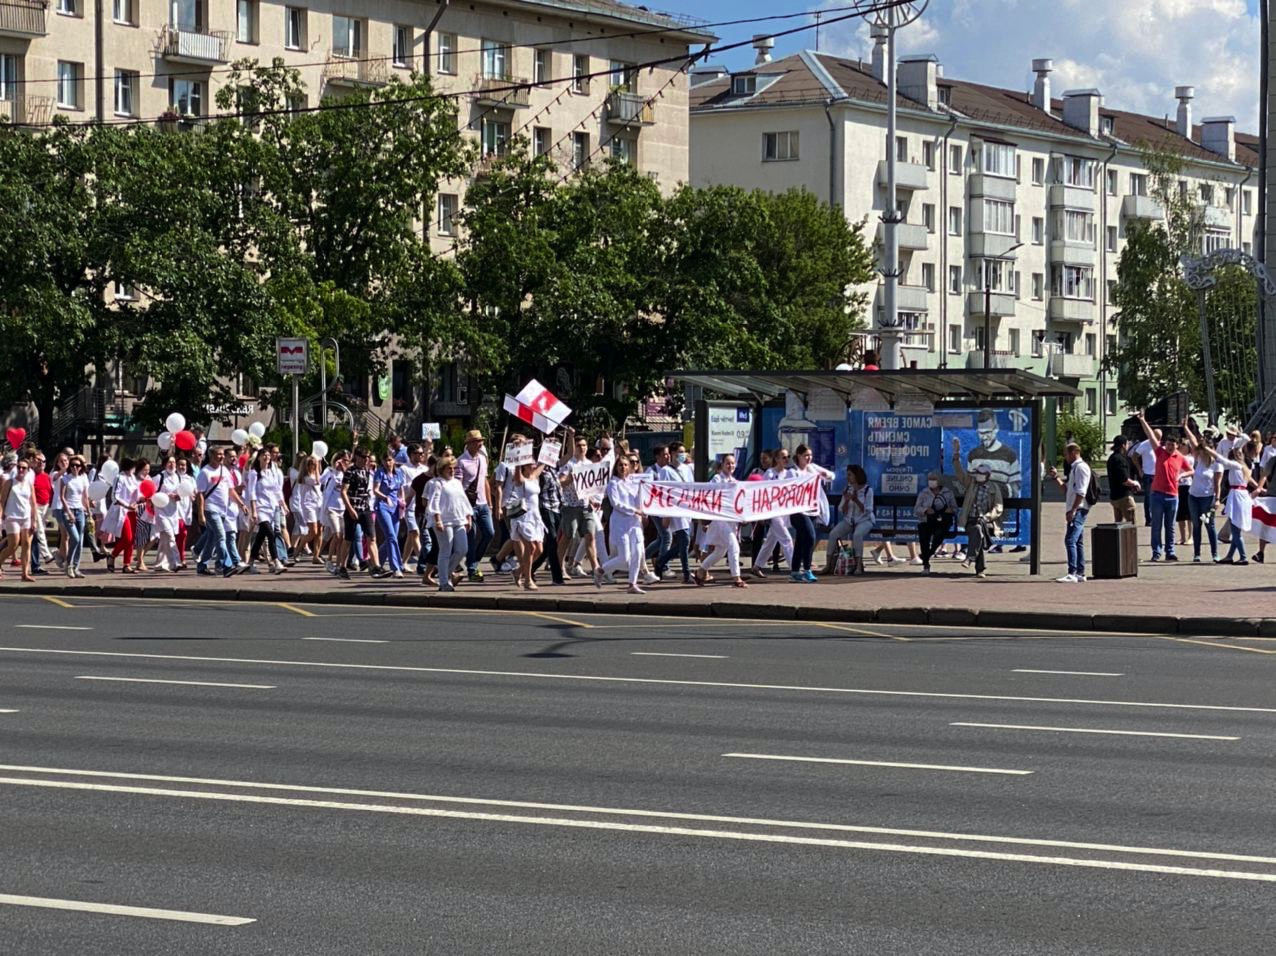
[292, 356]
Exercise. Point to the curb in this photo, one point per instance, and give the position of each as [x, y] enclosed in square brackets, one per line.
[547, 604]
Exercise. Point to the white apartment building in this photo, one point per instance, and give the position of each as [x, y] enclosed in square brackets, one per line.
[1023, 193]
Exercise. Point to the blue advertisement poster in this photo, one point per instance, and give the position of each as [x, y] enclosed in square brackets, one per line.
[1000, 438]
[897, 452]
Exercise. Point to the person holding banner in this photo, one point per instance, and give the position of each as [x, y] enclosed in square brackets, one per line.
[803, 522]
[722, 538]
[627, 517]
[777, 528]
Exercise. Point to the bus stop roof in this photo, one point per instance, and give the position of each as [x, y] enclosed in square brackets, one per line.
[903, 385]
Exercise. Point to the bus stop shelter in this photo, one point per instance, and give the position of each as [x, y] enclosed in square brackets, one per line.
[899, 425]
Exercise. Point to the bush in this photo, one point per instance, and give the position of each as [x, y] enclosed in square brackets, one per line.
[1085, 431]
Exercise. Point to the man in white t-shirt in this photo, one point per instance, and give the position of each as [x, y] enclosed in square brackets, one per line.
[1145, 452]
[217, 501]
[1077, 486]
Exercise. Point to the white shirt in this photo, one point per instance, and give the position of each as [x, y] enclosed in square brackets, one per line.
[215, 484]
[1202, 485]
[625, 495]
[1147, 457]
[75, 487]
[330, 483]
[18, 505]
[1185, 478]
[1078, 484]
[448, 502]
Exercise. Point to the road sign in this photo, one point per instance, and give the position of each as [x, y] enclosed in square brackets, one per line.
[293, 356]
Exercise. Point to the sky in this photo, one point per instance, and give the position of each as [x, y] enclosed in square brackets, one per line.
[1135, 52]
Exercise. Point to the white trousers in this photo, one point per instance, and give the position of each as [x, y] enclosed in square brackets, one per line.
[777, 533]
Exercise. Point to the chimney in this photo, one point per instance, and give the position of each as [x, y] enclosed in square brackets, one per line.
[1218, 135]
[1081, 110]
[917, 77]
[764, 44]
[878, 33]
[1041, 89]
[1184, 95]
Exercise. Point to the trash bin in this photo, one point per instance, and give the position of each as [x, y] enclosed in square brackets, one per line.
[1114, 551]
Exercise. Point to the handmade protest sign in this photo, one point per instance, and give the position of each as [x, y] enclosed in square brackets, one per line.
[518, 453]
[589, 479]
[741, 501]
[551, 451]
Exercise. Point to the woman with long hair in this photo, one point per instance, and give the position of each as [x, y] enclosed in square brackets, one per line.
[452, 516]
[387, 492]
[264, 496]
[73, 491]
[803, 523]
[625, 496]
[168, 518]
[722, 538]
[527, 530]
[307, 505]
[144, 534]
[121, 520]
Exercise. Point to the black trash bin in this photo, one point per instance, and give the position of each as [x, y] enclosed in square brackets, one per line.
[1114, 551]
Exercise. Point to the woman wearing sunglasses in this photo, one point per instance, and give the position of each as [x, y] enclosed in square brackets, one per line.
[17, 497]
[73, 493]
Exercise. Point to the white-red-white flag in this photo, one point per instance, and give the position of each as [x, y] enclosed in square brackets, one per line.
[537, 406]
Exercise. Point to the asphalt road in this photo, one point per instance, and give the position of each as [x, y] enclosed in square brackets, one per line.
[252, 778]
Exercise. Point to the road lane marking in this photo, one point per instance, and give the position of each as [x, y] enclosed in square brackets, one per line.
[1087, 730]
[716, 657]
[882, 763]
[190, 683]
[1029, 670]
[1220, 646]
[8, 711]
[654, 681]
[52, 627]
[556, 619]
[346, 640]
[296, 610]
[648, 814]
[743, 836]
[58, 601]
[146, 912]
[862, 631]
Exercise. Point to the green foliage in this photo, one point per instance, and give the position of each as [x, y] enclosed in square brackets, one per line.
[1085, 431]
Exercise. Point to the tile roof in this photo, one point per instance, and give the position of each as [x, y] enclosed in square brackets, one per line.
[635, 14]
[796, 84]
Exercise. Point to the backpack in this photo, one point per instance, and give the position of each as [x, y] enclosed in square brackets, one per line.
[1092, 491]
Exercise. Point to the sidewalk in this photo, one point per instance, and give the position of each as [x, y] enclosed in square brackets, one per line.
[1182, 598]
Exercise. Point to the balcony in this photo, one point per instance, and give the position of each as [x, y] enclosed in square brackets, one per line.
[910, 298]
[992, 187]
[1063, 365]
[629, 109]
[1069, 253]
[913, 237]
[990, 245]
[198, 47]
[23, 108]
[1142, 207]
[1081, 311]
[358, 71]
[975, 359]
[502, 91]
[1000, 303]
[1218, 217]
[23, 19]
[909, 177]
[1071, 197]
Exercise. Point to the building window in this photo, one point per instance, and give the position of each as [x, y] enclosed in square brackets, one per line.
[1013, 344]
[1038, 345]
[246, 21]
[67, 8]
[999, 160]
[1038, 286]
[624, 77]
[1078, 172]
[580, 73]
[901, 149]
[347, 37]
[1247, 199]
[1112, 239]
[69, 84]
[777, 147]
[1091, 343]
[1018, 226]
[979, 338]
[928, 276]
[1075, 225]
[542, 66]
[1073, 282]
[928, 154]
[496, 60]
[122, 11]
[496, 137]
[954, 220]
[580, 150]
[995, 274]
[296, 102]
[1111, 399]
[954, 280]
[447, 53]
[1112, 286]
[541, 140]
[623, 149]
[745, 85]
[1183, 189]
[928, 216]
[188, 15]
[8, 76]
[954, 339]
[123, 292]
[1113, 178]
[1038, 230]
[954, 159]
[999, 217]
[294, 28]
[1247, 248]
[1207, 193]
[447, 214]
[1091, 401]
[1229, 196]
[401, 55]
[1138, 184]
[125, 91]
[1038, 171]
[1216, 239]
[186, 96]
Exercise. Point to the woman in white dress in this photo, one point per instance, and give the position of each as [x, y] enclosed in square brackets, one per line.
[527, 530]
[722, 538]
[1239, 506]
[307, 502]
[625, 495]
[17, 501]
[168, 518]
[264, 495]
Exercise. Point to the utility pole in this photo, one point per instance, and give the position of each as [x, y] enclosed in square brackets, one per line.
[1265, 250]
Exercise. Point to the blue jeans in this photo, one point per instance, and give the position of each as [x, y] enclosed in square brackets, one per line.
[1237, 548]
[483, 534]
[1074, 542]
[73, 522]
[215, 540]
[803, 542]
[388, 522]
[1164, 508]
[662, 544]
[680, 542]
[1201, 508]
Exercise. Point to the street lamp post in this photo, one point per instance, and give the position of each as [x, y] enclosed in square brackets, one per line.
[323, 378]
[1005, 256]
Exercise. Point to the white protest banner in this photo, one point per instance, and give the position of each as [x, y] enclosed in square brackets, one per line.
[518, 453]
[431, 431]
[589, 478]
[551, 451]
[741, 501]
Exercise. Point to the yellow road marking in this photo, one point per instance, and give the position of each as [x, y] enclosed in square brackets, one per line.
[296, 610]
[1217, 644]
[863, 631]
[555, 617]
[58, 601]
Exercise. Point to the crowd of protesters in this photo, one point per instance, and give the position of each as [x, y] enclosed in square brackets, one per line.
[447, 519]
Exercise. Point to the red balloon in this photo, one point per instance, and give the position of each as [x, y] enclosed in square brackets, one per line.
[146, 488]
[184, 440]
[16, 436]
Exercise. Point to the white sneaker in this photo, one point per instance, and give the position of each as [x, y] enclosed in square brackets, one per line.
[879, 558]
[1067, 579]
[1080, 579]
[915, 561]
[251, 569]
[650, 578]
[398, 574]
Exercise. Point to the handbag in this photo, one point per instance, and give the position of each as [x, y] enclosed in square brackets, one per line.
[515, 509]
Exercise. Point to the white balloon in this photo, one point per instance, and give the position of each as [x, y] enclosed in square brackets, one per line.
[186, 489]
[165, 441]
[258, 429]
[239, 437]
[159, 500]
[319, 449]
[201, 446]
[175, 422]
[110, 470]
[98, 490]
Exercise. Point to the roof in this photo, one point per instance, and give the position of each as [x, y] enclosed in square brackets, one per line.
[809, 78]
[631, 13]
[905, 385]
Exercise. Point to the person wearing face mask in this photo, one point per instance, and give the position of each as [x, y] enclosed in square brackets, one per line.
[679, 529]
[934, 509]
[981, 507]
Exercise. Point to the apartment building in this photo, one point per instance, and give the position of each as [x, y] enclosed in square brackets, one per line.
[1021, 193]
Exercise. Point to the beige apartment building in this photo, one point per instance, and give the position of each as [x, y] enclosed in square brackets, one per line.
[586, 98]
[1020, 191]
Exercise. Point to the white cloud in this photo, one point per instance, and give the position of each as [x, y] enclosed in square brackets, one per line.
[1134, 51]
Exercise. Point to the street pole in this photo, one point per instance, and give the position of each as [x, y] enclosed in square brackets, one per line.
[889, 352]
[987, 323]
[296, 414]
[1210, 399]
[323, 379]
